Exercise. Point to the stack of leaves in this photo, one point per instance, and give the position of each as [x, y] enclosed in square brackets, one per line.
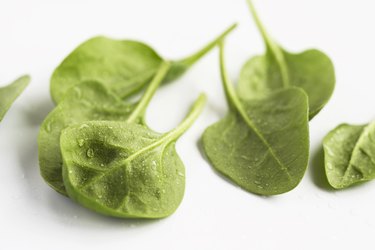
[263, 143]
[95, 146]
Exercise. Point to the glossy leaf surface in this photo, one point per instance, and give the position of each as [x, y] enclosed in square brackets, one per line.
[125, 169]
[85, 102]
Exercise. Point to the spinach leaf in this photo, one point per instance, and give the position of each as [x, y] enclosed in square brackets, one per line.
[310, 70]
[349, 155]
[261, 144]
[124, 169]
[124, 66]
[85, 102]
[9, 93]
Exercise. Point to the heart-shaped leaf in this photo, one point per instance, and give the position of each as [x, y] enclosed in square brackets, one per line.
[310, 70]
[86, 102]
[349, 155]
[262, 144]
[124, 66]
[124, 169]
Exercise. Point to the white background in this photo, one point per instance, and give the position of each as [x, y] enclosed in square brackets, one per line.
[36, 35]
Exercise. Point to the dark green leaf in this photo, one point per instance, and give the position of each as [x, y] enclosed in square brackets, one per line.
[124, 169]
[349, 153]
[310, 70]
[86, 102]
[123, 66]
[262, 144]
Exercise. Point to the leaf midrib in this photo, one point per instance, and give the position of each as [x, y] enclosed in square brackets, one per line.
[247, 120]
[150, 147]
[356, 147]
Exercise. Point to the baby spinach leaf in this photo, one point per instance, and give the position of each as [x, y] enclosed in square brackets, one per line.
[124, 66]
[310, 70]
[85, 102]
[349, 155]
[124, 169]
[262, 144]
[9, 93]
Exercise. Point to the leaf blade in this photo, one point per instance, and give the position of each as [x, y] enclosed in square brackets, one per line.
[9, 93]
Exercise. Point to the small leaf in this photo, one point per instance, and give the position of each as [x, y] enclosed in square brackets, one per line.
[262, 144]
[124, 169]
[87, 101]
[124, 66]
[8, 94]
[349, 155]
[310, 70]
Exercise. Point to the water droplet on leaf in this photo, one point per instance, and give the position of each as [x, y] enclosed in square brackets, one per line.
[90, 153]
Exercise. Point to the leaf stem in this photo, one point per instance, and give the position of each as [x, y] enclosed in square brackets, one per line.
[140, 109]
[229, 90]
[193, 114]
[272, 47]
[179, 67]
[268, 41]
[237, 106]
[190, 60]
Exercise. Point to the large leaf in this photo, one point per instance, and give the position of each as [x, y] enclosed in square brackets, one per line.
[85, 102]
[124, 66]
[349, 153]
[125, 169]
[310, 70]
[262, 144]
[9, 93]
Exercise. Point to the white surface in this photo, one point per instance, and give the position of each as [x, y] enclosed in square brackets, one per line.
[36, 35]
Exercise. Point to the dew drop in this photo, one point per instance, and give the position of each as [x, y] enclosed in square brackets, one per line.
[181, 174]
[81, 142]
[90, 153]
[84, 126]
[48, 127]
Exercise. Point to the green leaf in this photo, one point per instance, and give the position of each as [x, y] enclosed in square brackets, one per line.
[310, 70]
[349, 155]
[262, 144]
[124, 66]
[86, 102]
[9, 93]
[124, 169]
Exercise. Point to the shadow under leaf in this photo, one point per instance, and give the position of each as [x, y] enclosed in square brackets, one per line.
[317, 171]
